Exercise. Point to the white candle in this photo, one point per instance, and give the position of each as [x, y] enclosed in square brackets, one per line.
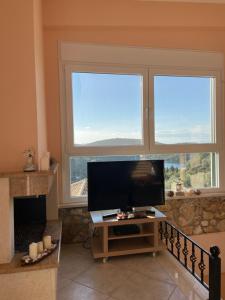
[47, 241]
[40, 247]
[33, 250]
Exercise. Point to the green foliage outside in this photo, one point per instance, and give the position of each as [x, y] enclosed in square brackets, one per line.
[194, 169]
[196, 172]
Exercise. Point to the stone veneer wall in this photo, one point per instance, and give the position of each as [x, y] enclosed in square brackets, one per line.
[193, 216]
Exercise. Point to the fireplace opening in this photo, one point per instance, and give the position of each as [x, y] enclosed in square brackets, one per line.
[29, 221]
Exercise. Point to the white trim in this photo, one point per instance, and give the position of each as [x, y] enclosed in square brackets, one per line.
[62, 97]
[216, 143]
[95, 150]
[208, 194]
[90, 53]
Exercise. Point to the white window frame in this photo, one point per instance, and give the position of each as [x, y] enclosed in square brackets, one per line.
[147, 62]
[217, 109]
[112, 150]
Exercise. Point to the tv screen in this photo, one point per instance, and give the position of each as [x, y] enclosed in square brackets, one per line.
[125, 184]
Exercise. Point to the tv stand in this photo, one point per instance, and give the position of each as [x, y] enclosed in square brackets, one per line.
[105, 243]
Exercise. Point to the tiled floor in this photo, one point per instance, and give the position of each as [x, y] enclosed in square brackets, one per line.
[134, 277]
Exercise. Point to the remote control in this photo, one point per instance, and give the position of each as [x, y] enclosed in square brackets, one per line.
[109, 216]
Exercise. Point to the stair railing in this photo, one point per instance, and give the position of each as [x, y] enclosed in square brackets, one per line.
[194, 258]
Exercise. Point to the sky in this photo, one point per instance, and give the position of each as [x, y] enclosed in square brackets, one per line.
[107, 106]
[182, 109]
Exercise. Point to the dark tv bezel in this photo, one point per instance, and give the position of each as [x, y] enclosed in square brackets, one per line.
[90, 207]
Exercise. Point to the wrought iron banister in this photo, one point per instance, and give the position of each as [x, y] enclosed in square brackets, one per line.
[194, 258]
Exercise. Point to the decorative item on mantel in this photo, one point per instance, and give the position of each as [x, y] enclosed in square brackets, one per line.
[179, 188]
[186, 192]
[170, 193]
[40, 250]
[197, 192]
[29, 155]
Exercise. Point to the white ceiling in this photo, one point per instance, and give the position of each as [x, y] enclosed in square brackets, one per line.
[193, 1]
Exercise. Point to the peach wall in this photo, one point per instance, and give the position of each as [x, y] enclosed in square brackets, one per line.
[123, 22]
[21, 82]
[131, 13]
[18, 128]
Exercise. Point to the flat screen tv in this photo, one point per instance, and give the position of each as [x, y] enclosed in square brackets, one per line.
[125, 184]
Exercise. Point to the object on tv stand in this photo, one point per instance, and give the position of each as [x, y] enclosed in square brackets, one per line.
[109, 216]
[126, 229]
[140, 214]
[135, 215]
[150, 212]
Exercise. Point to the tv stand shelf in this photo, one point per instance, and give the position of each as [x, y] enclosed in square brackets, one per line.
[105, 243]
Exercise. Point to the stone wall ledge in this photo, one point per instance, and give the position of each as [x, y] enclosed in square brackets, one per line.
[194, 215]
[202, 195]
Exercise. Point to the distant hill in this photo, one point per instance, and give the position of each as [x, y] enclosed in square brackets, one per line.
[115, 142]
[121, 142]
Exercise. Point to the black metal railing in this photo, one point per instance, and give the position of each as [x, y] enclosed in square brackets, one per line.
[199, 262]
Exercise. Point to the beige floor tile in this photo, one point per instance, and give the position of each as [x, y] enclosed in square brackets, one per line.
[62, 282]
[144, 264]
[76, 267]
[74, 260]
[68, 258]
[178, 295]
[103, 277]
[75, 291]
[189, 286]
[142, 287]
[127, 277]
[70, 252]
[75, 249]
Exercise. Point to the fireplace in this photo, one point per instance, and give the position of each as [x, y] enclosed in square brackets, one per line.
[29, 221]
[23, 187]
[24, 212]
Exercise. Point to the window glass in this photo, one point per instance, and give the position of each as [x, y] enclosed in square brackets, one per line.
[107, 109]
[194, 170]
[183, 109]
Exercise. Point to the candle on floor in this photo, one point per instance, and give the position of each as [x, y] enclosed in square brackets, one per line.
[47, 241]
[40, 247]
[33, 250]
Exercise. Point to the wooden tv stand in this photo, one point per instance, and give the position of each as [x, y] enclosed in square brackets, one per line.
[105, 243]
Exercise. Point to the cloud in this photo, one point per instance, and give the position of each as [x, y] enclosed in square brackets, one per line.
[195, 134]
[88, 135]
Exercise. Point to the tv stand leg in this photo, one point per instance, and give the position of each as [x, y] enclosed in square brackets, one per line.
[154, 254]
[104, 260]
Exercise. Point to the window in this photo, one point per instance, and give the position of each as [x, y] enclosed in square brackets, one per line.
[107, 109]
[119, 111]
[196, 170]
[191, 99]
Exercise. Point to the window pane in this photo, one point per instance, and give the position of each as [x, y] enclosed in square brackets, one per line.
[107, 109]
[195, 170]
[183, 109]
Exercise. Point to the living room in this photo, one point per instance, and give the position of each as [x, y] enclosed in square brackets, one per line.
[44, 43]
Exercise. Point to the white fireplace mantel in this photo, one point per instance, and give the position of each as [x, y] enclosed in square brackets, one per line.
[30, 183]
[20, 184]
